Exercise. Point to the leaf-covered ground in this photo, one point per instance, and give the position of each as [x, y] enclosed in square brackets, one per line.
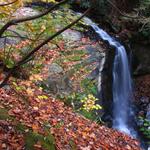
[70, 130]
[32, 119]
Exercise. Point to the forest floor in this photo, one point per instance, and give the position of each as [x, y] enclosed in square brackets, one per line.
[31, 118]
[62, 128]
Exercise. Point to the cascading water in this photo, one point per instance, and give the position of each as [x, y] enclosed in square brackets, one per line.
[122, 83]
[122, 90]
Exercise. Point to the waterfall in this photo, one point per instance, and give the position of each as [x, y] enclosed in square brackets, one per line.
[122, 90]
[122, 83]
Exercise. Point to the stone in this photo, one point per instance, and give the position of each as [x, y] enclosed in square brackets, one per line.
[95, 52]
[94, 74]
[7, 87]
[71, 35]
[55, 69]
[58, 85]
[9, 41]
[90, 49]
[20, 13]
[25, 12]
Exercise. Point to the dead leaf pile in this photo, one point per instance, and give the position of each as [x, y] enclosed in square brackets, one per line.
[66, 126]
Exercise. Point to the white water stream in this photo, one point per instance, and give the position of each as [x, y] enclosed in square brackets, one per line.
[122, 83]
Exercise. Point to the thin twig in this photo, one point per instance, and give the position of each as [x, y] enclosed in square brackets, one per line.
[16, 21]
[113, 5]
[15, 32]
[143, 26]
[6, 4]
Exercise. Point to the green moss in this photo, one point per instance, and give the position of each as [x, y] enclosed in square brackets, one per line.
[4, 114]
[75, 52]
[88, 115]
[89, 86]
[74, 58]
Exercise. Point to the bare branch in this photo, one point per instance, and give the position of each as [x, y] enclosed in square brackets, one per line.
[27, 57]
[16, 21]
[6, 4]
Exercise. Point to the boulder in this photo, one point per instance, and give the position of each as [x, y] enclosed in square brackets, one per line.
[58, 85]
[55, 68]
[71, 35]
[57, 82]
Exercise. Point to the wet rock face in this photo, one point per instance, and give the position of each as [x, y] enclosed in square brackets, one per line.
[106, 93]
[141, 59]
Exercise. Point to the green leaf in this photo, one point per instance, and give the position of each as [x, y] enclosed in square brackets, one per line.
[9, 63]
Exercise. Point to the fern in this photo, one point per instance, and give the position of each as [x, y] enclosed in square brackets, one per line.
[32, 138]
[48, 142]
